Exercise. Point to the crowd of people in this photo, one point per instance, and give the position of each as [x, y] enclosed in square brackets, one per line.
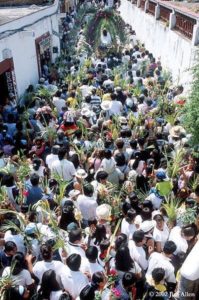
[99, 191]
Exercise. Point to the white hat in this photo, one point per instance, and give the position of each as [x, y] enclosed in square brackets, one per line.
[103, 211]
[81, 173]
[177, 131]
[146, 226]
[123, 120]
[86, 112]
[156, 213]
[106, 105]
[73, 193]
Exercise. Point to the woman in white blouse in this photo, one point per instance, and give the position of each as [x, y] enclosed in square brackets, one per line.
[160, 233]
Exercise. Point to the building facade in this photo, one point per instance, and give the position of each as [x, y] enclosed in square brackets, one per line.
[29, 38]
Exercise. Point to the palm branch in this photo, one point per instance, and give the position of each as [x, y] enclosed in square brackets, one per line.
[171, 207]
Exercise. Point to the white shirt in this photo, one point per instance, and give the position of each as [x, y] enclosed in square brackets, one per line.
[64, 168]
[138, 254]
[85, 89]
[50, 158]
[127, 228]
[23, 278]
[87, 206]
[190, 267]
[74, 282]
[17, 239]
[158, 260]
[161, 235]
[75, 248]
[59, 103]
[176, 237]
[156, 201]
[55, 295]
[116, 107]
[91, 268]
[42, 266]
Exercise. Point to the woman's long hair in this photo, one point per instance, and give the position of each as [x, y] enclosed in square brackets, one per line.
[67, 216]
[18, 263]
[48, 284]
[123, 260]
[99, 234]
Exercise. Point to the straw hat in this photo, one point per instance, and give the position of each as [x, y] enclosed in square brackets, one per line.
[86, 112]
[103, 212]
[81, 173]
[106, 105]
[122, 120]
[177, 131]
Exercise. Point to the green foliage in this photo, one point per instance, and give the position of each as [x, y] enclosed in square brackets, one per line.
[171, 205]
[191, 112]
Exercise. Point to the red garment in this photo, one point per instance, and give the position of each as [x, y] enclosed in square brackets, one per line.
[69, 129]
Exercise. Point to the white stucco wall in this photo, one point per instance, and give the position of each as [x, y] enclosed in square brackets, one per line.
[175, 51]
[22, 45]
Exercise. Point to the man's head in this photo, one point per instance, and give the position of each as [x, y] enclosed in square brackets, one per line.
[128, 280]
[75, 236]
[10, 248]
[169, 248]
[73, 262]
[139, 238]
[46, 251]
[92, 253]
[34, 179]
[158, 275]
[62, 153]
[88, 190]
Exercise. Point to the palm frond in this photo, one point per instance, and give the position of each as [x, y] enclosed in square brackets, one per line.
[171, 207]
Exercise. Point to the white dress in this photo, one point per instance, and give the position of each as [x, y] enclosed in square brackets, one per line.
[106, 40]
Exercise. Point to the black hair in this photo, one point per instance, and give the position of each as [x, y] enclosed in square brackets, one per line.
[75, 235]
[13, 292]
[107, 153]
[73, 261]
[104, 244]
[67, 215]
[46, 251]
[158, 274]
[138, 236]
[61, 153]
[97, 278]
[169, 247]
[120, 159]
[125, 207]
[9, 246]
[88, 190]
[48, 284]
[18, 263]
[190, 230]
[87, 293]
[34, 179]
[99, 234]
[8, 180]
[36, 164]
[128, 279]
[131, 214]
[101, 175]
[92, 253]
[121, 240]
[123, 260]
[146, 214]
